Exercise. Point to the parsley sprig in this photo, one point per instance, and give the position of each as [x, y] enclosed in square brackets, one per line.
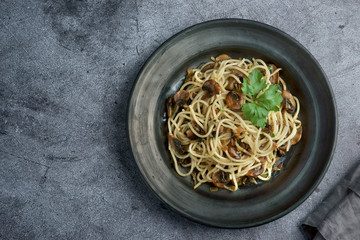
[257, 111]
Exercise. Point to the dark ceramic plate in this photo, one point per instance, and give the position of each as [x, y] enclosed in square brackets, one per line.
[304, 166]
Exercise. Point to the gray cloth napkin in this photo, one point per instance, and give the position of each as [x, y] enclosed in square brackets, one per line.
[338, 216]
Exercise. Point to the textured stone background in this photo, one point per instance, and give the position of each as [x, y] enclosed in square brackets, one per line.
[66, 69]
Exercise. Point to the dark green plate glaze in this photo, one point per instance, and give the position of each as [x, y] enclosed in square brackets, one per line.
[304, 166]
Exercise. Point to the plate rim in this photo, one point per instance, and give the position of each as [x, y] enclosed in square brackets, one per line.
[333, 103]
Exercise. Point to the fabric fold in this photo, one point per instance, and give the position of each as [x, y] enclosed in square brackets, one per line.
[338, 216]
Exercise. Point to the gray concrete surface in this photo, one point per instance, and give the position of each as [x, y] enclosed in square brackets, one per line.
[66, 69]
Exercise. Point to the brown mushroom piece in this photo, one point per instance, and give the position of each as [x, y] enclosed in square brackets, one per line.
[289, 101]
[234, 153]
[169, 106]
[222, 57]
[198, 128]
[234, 101]
[245, 146]
[231, 84]
[239, 74]
[282, 150]
[297, 136]
[189, 133]
[220, 178]
[212, 87]
[255, 172]
[207, 67]
[176, 144]
[274, 79]
[239, 131]
[181, 97]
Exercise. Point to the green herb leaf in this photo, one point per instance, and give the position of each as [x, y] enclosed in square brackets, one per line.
[222, 110]
[200, 140]
[232, 133]
[257, 83]
[255, 113]
[271, 98]
[272, 135]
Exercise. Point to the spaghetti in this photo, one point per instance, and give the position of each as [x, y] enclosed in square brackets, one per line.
[209, 137]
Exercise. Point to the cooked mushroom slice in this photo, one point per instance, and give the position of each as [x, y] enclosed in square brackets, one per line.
[289, 101]
[181, 97]
[297, 137]
[169, 106]
[255, 172]
[234, 100]
[239, 131]
[282, 150]
[176, 144]
[239, 74]
[274, 79]
[212, 87]
[234, 153]
[245, 146]
[189, 133]
[231, 84]
[220, 178]
[207, 67]
[222, 57]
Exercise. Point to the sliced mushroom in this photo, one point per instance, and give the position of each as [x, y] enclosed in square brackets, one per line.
[181, 97]
[207, 67]
[169, 106]
[176, 144]
[221, 130]
[239, 74]
[234, 100]
[220, 178]
[189, 133]
[289, 101]
[239, 131]
[245, 146]
[282, 150]
[224, 146]
[231, 84]
[274, 79]
[212, 87]
[222, 57]
[255, 172]
[297, 137]
[234, 153]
